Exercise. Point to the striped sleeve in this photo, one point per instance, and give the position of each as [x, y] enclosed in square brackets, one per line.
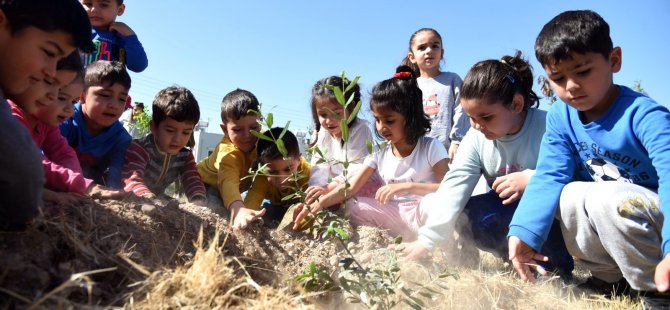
[190, 179]
[135, 165]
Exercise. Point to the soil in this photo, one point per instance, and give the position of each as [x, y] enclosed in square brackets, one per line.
[98, 253]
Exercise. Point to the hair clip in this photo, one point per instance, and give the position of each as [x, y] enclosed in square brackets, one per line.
[510, 77]
[402, 75]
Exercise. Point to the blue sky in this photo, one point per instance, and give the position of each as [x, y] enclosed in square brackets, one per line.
[279, 49]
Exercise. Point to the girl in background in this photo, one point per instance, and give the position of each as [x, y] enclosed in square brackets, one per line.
[410, 164]
[440, 90]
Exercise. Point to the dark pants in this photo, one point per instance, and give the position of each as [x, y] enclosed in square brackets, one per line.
[489, 224]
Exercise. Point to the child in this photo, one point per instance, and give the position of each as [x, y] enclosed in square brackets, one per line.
[410, 165]
[130, 120]
[598, 131]
[498, 97]
[440, 89]
[280, 184]
[95, 131]
[38, 109]
[224, 169]
[114, 40]
[34, 35]
[157, 160]
[327, 114]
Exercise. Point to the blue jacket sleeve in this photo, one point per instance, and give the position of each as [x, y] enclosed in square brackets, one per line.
[652, 129]
[136, 58]
[555, 168]
[116, 162]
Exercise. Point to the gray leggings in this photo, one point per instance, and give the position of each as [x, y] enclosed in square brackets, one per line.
[614, 229]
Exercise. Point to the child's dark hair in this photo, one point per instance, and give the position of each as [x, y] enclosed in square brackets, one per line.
[237, 103]
[106, 73]
[401, 93]
[320, 91]
[499, 80]
[177, 103]
[573, 32]
[71, 62]
[50, 15]
[267, 150]
[406, 62]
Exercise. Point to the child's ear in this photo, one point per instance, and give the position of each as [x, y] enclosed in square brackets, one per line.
[82, 97]
[518, 103]
[410, 56]
[223, 128]
[615, 59]
[121, 10]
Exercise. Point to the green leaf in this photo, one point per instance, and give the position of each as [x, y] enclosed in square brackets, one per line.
[339, 95]
[260, 136]
[283, 132]
[342, 233]
[397, 240]
[281, 148]
[268, 120]
[411, 304]
[288, 197]
[368, 145]
[345, 130]
[355, 112]
[352, 84]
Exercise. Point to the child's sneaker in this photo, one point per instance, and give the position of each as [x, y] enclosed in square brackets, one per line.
[607, 289]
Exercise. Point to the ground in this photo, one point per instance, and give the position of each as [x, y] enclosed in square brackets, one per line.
[134, 255]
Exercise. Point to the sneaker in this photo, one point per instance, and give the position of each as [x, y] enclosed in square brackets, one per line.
[654, 300]
[604, 288]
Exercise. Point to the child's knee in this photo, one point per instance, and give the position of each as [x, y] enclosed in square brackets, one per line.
[621, 201]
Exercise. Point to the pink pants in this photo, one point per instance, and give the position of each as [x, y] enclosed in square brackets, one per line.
[400, 219]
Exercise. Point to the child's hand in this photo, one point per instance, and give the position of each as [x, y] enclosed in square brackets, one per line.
[523, 258]
[313, 193]
[412, 250]
[662, 275]
[122, 29]
[453, 148]
[99, 191]
[62, 199]
[242, 216]
[510, 187]
[301, 213]
[386, 192]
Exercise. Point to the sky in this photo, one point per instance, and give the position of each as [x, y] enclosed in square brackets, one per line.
[279, 49]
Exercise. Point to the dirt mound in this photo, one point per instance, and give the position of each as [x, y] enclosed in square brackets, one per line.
[103, 253]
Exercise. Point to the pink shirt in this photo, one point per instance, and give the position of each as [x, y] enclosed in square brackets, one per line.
[61, 166]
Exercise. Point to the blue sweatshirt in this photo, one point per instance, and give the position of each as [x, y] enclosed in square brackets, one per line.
[101, 156]
[113, 47]
[633, 135]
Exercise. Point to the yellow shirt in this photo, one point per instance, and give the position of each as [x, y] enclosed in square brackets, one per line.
[262, 189]
[224, 168]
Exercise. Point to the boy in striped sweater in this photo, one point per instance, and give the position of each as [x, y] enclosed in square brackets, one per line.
[155, 161]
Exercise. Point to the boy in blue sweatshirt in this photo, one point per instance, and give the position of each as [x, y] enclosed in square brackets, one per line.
[94, 131]
[114, 40]
[603, 168]
[34, 36]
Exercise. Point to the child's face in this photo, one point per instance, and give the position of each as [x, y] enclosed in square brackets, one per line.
[426, 51]
[42, 95]
[103, 105]
[63, 107]
[585, 82]
[239, 132]
[102, 13]
[330, 114]
[29, 56]
[495, 120]
[281, 171]
[389, 124]
[171, 136]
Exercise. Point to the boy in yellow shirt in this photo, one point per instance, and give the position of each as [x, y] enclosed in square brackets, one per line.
[223, 170]
[280, 182]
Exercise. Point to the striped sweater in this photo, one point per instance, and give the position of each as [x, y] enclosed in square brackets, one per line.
[148, 171]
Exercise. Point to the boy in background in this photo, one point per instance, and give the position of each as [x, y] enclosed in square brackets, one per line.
[34, 36]
[94, 131]
[280, 182]
[115, 41]
[157, 160]
[603, 168]
[224, 169]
